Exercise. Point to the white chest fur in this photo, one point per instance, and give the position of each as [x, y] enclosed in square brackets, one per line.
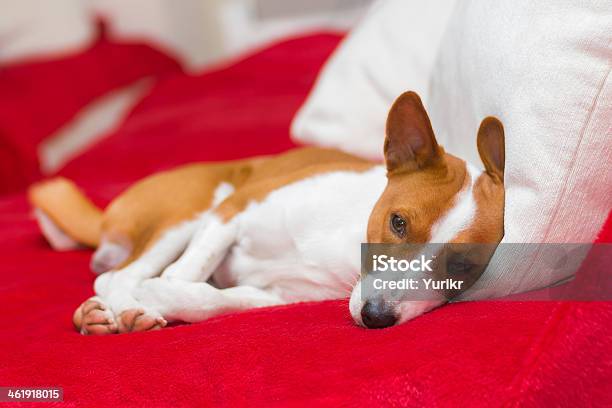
[303, 240]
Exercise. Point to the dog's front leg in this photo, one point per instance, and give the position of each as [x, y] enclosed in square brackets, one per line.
[114, 309]
[205, 251]
[196, 301]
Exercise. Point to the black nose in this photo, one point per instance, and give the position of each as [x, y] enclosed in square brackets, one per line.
[377, 314]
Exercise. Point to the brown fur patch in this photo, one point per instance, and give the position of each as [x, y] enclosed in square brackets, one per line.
[153, 205]
[421, 197]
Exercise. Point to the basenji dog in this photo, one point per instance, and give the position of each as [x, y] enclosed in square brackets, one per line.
[212, 238]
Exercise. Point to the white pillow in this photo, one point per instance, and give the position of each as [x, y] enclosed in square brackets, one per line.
[543, 68]
[391, 51]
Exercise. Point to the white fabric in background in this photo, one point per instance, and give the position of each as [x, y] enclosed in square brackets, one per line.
[184, 29]
[50, 28]
[391, 51]
[188, 29]
[197, 33]
[543, 68]
[36, 28]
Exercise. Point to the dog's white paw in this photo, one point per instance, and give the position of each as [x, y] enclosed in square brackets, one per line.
[94, 317]
[153, 293]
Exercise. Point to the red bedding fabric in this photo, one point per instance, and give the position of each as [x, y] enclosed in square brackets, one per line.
[464, 354]
[38, 97]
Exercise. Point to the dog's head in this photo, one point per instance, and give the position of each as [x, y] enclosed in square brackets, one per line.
[432, 197]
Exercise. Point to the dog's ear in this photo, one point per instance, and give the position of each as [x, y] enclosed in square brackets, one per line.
[410, 143]
[491, 147]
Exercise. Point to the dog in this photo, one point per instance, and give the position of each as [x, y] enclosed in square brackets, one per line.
[207, 239]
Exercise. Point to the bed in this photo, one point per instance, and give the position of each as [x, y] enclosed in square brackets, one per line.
[469, 354]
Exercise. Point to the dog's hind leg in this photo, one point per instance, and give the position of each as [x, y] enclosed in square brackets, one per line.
[56, 237]
[109, 256]
[67, 218]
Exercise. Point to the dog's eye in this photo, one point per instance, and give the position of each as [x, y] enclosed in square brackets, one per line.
[398, 225]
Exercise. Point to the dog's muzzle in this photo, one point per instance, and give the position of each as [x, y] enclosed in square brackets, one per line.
[378, 314]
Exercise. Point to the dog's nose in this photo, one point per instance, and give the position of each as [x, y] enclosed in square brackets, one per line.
[377, 314]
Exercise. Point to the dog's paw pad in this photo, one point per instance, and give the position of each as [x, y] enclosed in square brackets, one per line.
[94, 318]
[137, 320]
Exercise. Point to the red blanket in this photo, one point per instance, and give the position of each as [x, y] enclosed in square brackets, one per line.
[37, 97]
[464, 354]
